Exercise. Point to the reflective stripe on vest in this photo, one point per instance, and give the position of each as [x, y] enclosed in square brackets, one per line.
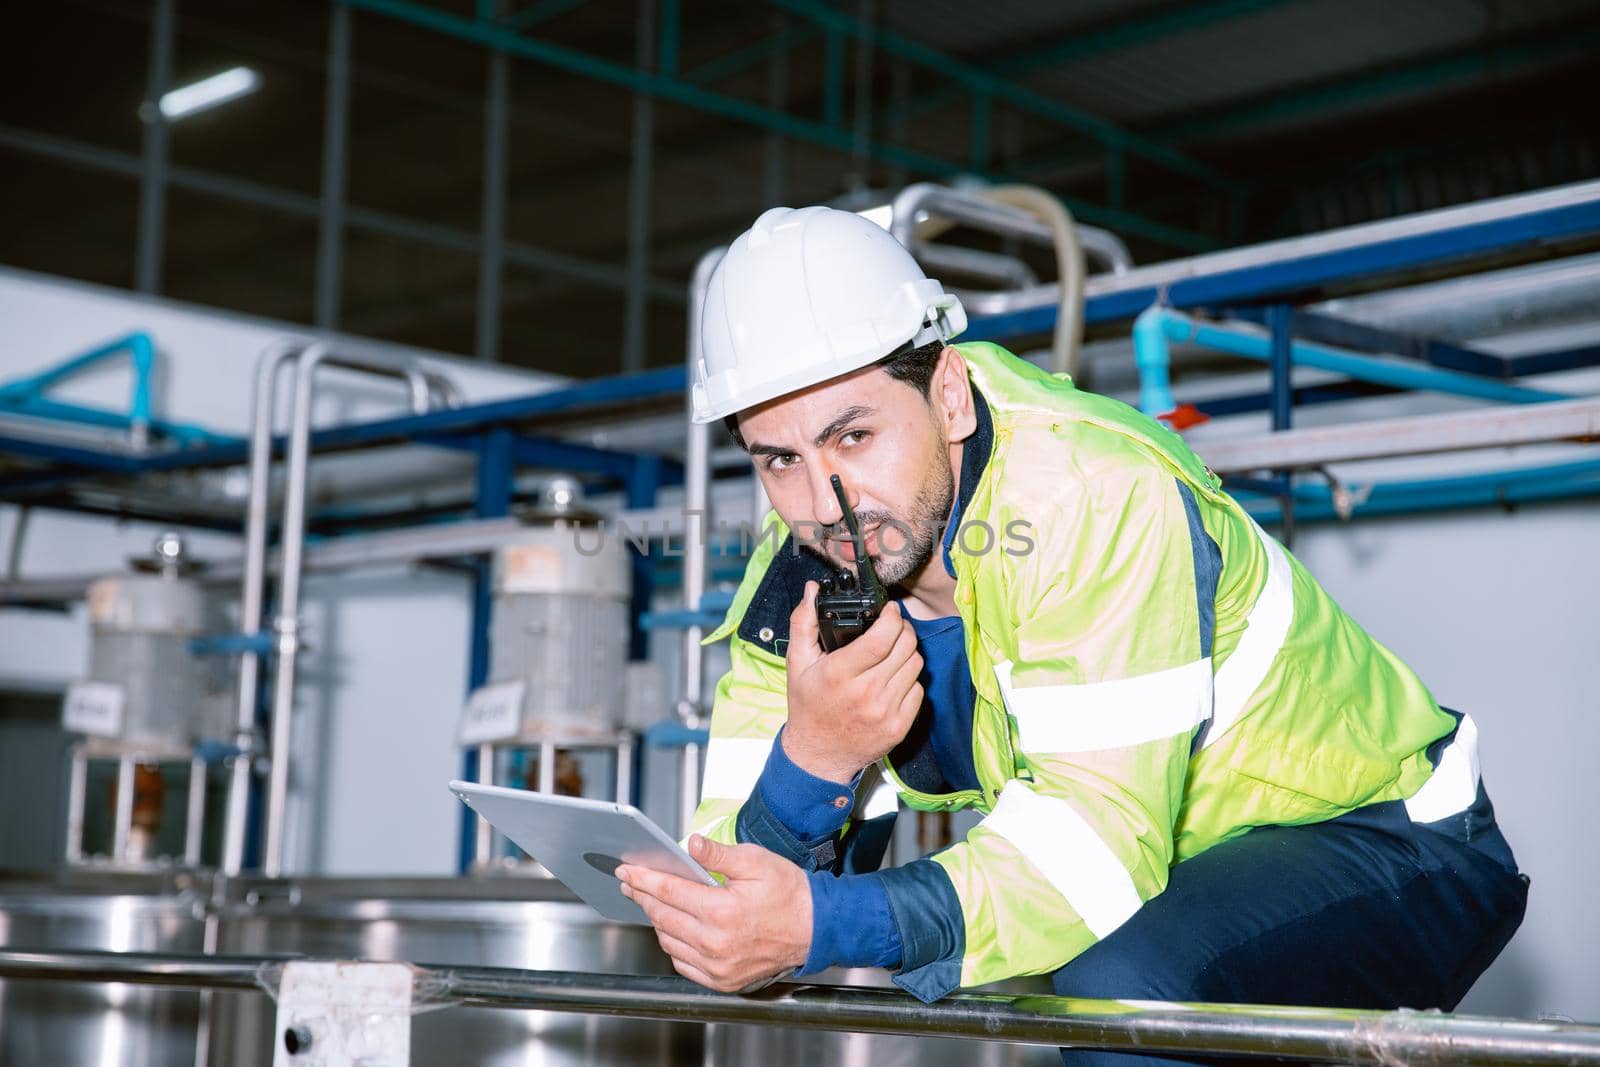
[733, 766]
[1101, 715]
[1065, 849]
[1454, 785]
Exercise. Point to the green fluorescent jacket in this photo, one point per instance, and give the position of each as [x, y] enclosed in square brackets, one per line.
[1154, 676]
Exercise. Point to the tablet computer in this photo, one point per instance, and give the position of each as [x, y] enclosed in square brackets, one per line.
[582, 842]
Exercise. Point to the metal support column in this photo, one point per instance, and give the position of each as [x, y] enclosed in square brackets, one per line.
[667, 52]
[643, 482]
[1116, 178]
[483, 833]
[866, 15]
[1280, 321]
[493, 500]
[491, 253]
[194, 817]
[641, 178]
[77, 784]
[153, 167]
[978, 147]
[833, 77]
[547, 767]
[772, 178]
[899, 103]
[335, 144]
[122, 816]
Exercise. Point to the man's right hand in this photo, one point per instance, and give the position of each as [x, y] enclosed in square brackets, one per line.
[851, 706]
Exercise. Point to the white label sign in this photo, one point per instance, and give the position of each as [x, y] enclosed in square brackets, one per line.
[93, 708]
[493, 713]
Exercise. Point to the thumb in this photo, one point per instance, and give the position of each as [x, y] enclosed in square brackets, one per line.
[729, 860]
[805, 645]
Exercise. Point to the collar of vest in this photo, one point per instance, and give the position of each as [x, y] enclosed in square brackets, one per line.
[766, 619]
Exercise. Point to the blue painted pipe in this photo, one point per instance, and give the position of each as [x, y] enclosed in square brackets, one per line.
[670, 733]
[1178, 327]
[1152, 355]
[1563, 481]
[141, 352]
[262, 644]
[27, 395]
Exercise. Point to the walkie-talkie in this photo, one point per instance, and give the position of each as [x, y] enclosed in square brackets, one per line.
[848, 603]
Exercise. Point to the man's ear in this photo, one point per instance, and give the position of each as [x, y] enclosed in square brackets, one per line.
[950, 392]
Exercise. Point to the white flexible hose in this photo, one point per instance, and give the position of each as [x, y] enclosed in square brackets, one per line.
[1069, 264]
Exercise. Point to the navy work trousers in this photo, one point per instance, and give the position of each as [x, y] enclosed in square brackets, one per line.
[1365, 911]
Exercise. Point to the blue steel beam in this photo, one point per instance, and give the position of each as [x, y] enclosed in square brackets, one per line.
[838, 137]
[1551, 362]
[1546, 44]
[534, 14]
[1304, 277]
[1566, 481]
[493, 501]
[1280, 357]
[1360, 337]
[667, 41]
[643, 484]
[742, 59]
[1303, 395]
[1276, 350]
[441, 428]
[1092, 42]
[977, 80]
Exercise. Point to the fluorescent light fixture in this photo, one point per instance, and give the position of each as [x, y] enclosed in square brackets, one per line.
[209, 92]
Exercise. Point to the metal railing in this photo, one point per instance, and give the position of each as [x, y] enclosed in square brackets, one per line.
[1319, 1034]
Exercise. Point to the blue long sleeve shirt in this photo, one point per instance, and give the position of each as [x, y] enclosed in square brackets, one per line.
[852, 922]
[905, 917]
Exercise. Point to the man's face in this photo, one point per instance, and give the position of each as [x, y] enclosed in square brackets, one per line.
[890, 446]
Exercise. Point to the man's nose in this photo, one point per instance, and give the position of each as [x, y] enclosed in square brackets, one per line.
[824, 504]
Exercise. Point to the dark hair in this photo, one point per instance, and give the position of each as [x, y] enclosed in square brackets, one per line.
[914, 366]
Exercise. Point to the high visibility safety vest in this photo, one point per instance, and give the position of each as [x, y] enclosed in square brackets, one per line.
[1154, 675]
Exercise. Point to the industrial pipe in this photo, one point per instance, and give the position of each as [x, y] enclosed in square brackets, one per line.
[250, 597]
[1070, 269]
[426, 389]
[916, 211]
[696, 506]
[293, 535]
[992, 267]
[1317, 1034]
[1156, 327]
[1013, 211]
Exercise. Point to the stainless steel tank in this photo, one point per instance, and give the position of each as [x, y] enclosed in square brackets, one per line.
[490, 922]
[99, 1025]
[737, 1046]
[496, 922]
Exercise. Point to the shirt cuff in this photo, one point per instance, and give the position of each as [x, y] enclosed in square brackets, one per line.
[809, 807]
[930, 928]
[851, 925]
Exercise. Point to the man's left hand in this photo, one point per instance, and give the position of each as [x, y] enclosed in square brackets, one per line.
[734, 936]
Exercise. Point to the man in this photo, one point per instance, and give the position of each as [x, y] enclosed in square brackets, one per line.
[1200, 780]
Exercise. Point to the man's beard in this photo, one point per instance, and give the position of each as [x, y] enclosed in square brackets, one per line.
[920, 532]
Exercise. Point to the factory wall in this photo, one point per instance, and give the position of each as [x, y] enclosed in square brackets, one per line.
[1494, 609]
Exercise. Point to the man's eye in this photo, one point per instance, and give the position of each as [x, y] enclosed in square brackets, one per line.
[778, 463]
[855, 437]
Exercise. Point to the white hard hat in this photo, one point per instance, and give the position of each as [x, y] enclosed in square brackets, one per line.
[806, 295]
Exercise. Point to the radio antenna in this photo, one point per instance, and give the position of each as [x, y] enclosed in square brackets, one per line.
[865, 575]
